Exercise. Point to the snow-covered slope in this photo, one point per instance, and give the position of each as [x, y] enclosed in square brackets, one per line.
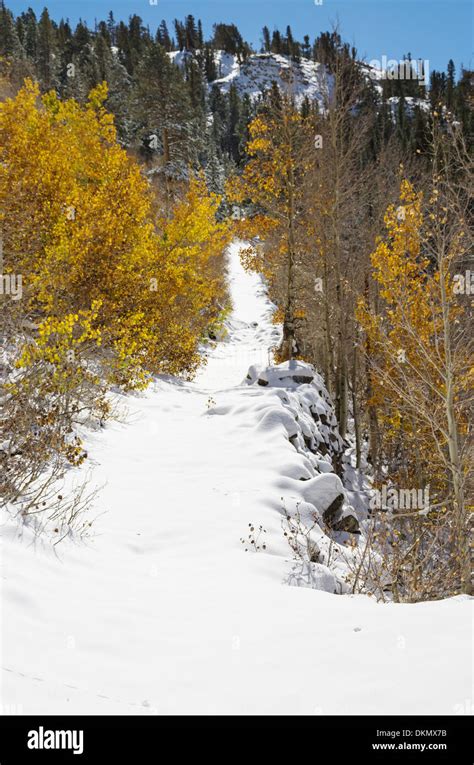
[256, 75]
[162, 610]
[306, 79]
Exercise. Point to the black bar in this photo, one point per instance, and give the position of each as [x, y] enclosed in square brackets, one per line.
[114, 739]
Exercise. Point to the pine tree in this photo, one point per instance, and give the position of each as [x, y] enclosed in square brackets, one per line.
[228, 38]
[161, 98]
[195, 80]
[450, 84]
[111, 26]
[219, 108]
[180, 32]
[46, 51]
[163, 37]
[123, 45]
[10, 45]
[191, 33]
[135, 33]
[234, 120]
[247, 113]
[31, 33]
[103, 31]
[276, 46]
[289, 49]
[266, 40]
[200, 35]
[437, 88]
[306, 47]
[464, 105]
[209, 63]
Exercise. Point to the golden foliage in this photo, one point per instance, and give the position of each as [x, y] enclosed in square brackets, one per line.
[77, 223]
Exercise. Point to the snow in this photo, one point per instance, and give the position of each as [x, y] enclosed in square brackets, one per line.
[307, 78]
[161, 610]
[179, 57]
[377, 75]
[411, 103]
[228, 66]
[256, 74]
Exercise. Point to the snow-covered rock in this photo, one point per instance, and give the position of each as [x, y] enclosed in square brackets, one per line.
[287, 374]
[302, 393]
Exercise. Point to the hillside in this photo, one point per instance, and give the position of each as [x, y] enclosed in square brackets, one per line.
[305, 79]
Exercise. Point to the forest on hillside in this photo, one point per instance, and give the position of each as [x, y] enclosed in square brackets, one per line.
[127, 165]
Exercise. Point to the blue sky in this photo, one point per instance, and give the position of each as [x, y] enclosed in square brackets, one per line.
[436, 30]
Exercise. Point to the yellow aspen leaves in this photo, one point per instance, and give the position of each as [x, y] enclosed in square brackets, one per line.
[78, 222]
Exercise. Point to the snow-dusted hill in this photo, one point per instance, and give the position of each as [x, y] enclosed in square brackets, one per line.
[259, 71]
[307, 78]
[162, 610]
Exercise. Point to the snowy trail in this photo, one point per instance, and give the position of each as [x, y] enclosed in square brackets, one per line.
[162, 611]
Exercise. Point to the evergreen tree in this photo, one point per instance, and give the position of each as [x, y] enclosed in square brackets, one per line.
[289, 47]
[420, 137]
[247, 113]
[234, 120]
[266, 40]
[228, 38]
[450, 84]
[31, 33]
[64, 34]
[136, 33]
[191, 33]
[46, 52]
[111, 26]
[437, 88]
[209, 63]
[103, 31]
[464, 105]
[305, 108]
[81, 37]
[306, 47]
[219, 109]
[276, 46]
[20, 30]
[123, 44]
[180, 32]
[402, 125]
[161, 100]
[10, 44]
[195, 80]
[162, 36]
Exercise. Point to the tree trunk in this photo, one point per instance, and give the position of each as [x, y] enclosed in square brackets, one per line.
[355, 412]
[289, 347]
[330, 371]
